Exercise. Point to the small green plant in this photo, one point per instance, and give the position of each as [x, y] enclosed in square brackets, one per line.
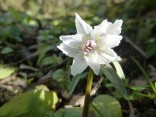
[151, 84]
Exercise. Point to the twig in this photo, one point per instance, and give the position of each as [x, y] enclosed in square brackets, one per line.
[135, 46]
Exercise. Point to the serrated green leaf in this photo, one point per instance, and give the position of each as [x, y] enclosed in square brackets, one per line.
[110, 73]
[75, 81]
[119, 70]
[106, 106]
[30, 104]
[6, 72]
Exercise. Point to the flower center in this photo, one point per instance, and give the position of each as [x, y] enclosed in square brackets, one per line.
[89, 45]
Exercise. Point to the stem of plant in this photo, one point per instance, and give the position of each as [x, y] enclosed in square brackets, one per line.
[69, 61]
[67, 72]
[87, 93]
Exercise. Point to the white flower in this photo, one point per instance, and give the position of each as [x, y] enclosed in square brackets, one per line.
[91, 47]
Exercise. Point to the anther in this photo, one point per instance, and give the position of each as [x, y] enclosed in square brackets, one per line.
[89, 45]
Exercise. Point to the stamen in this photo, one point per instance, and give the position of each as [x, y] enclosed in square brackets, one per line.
[89, 45]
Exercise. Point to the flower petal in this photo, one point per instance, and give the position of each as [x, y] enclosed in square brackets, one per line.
[71, 40]
[79, 65]
[109, 41]
[101, 28]
[81, 26]
[68, 50]
[115, 28]
[107, 56]
[92, 61]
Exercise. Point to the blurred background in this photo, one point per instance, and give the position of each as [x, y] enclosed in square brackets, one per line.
[47, 20]
[30, 30]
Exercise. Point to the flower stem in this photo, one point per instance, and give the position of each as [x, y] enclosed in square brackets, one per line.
[87, 93]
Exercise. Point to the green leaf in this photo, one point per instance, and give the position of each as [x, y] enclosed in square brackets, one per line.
[6, 71]
[68, 112]
[57, 59]
[30, 104]
[106, 106]
[151, 47]
[58, 75]
[47, 60]
[71, 112]
[51, 60]
[110, 73]
[138, 88]
[75, 81]
[42, 51]
[6, 50]
[119, 70]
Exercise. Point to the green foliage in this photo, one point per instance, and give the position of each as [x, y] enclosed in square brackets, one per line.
[119, 70]
[30, 33]
[151, 47]
[106, 106]
[138, 88]
[58, 75]
[6, 50]
[139, 21]
[51, 60]
[10, 33]
[42, 50]
[74, 82]
[68, 112]
[117, 82]
[9, 22]
[47, 61]
[137, 92]
[49, 35]
[145, 75]
[34, 103]
[6, 71]
[101, 106]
